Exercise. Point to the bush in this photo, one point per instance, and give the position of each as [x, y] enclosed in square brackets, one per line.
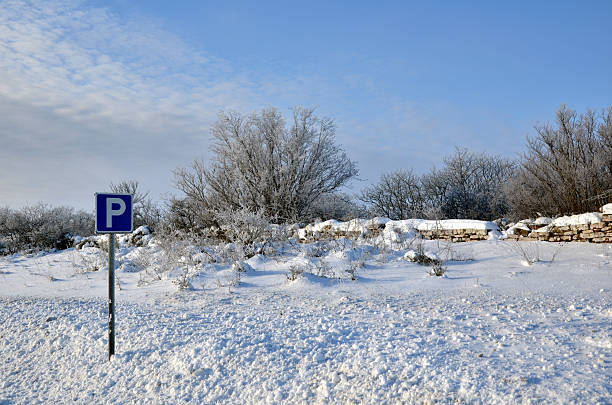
[171, 255]
[260, 164]
[41, 226]
[437, 269]
[296, 272]
[334, 206]
[469, 185]
[397, 195]
[567, 168]
[145, 211]
[425, 258]
[319, 268]
[187, 216]
[422, 257]
[245, 228]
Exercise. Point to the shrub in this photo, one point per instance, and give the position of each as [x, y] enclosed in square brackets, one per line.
[319, 268]
[437, 269]
[41, 226]
[175, 256]
[187, 216]
[261, 164]
[334, 206]
[245, 228]
[567, 168]
[397, 195]
[295, 272]
[469, 185]
[422, 257]
[145, 211]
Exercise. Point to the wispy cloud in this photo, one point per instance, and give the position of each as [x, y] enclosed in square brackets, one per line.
[108, 98]
[87, 64]
[89, 97]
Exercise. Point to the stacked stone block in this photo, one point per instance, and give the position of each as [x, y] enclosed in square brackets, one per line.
[590, 227]
[600, 232]
[455, 235]
[597, 230]
[329, 232]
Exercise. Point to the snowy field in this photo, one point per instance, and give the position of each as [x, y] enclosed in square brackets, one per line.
[491, 330]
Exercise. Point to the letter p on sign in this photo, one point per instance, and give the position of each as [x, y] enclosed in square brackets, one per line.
[114, 213]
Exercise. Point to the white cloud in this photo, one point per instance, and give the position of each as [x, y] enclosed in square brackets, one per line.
[88, 97]
[108, 99]
[86, 64]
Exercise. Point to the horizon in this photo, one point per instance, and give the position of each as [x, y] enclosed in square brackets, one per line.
[94, 92]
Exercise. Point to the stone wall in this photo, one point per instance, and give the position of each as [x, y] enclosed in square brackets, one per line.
[456, 235]
[453, 230]
[598, 231]
[592, 227]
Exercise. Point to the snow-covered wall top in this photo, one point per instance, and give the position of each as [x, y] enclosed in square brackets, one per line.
[362, 225]
[354, 225]
[468, 228]
[442, 225]
[581, 219]
[545, 224]
[591, 227]
[572, 220]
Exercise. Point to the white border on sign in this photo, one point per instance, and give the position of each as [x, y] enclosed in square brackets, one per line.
[97, 232]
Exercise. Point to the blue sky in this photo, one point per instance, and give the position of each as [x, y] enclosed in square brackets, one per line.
[98, 91]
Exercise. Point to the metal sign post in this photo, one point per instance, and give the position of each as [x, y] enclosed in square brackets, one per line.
[114, 214]
[111, 295]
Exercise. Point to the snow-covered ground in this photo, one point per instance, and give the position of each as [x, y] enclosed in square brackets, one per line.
[492, 330]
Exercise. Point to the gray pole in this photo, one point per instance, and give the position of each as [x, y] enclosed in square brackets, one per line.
[111, 295]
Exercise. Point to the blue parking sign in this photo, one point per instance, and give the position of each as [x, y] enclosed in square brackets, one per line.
[114, 213]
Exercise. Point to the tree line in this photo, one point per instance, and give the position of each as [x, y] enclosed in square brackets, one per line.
[288, 170]
[292, 172]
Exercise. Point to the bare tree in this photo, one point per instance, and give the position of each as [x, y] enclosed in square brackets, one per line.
[261, 164]
[41, 226]
[186, 216]
[397, 195]
[130, 187]
[145, 211]
[469, 185]
[334, 206]
[567, 168]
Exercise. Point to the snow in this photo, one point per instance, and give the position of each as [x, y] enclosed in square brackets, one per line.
[358, 226]
[362, 225]
[445, 224]
[491, 331]
[545, 229]
[395, 230]
[581, 219]
[540, 221]
[546, 224]
[607, 209]
[573, 220]
[519, 226]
